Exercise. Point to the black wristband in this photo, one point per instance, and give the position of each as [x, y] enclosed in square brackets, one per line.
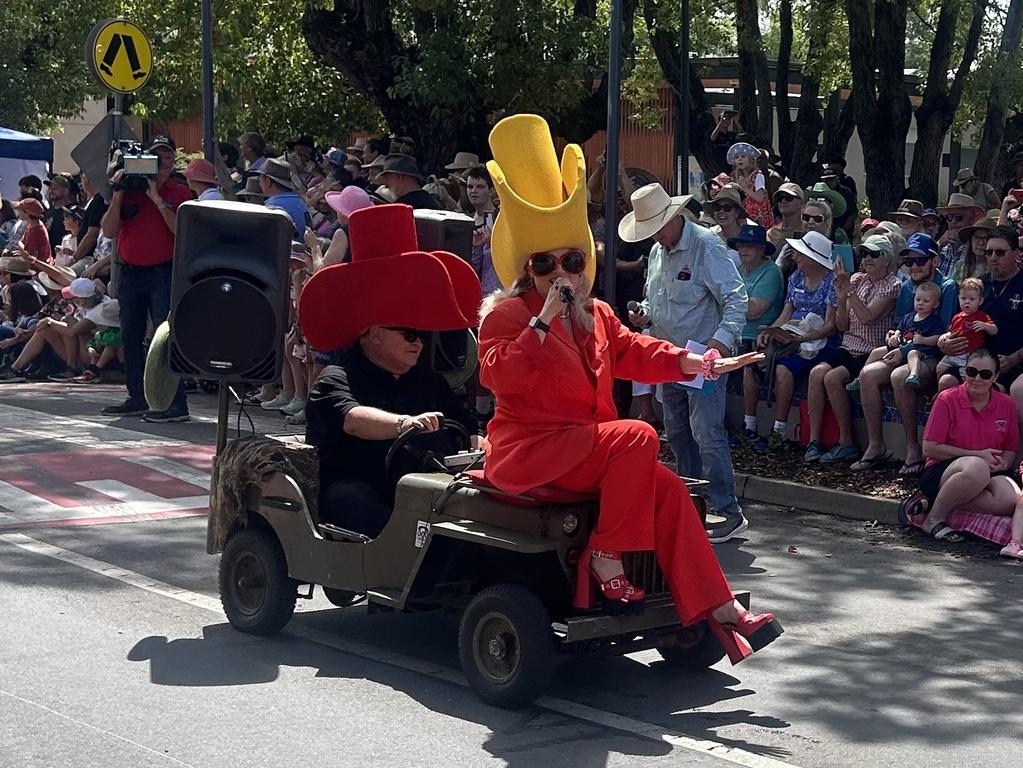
[538, 324]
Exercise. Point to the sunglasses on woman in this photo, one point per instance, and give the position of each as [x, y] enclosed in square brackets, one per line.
[723, 207]
[410, 335]
[915, 261]
[866, 253]
[984, 373]
[572, 262]
[816, 218]
[783, 197]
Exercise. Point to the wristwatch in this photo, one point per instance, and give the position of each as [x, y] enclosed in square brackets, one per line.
[538, 324]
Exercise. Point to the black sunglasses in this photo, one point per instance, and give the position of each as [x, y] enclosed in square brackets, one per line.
[866, 253]
[814, 217]
[916, 261]
[984, 373]
[783, 197]
[411, 334]
[996, 252]
[723, 207]
[573, 262]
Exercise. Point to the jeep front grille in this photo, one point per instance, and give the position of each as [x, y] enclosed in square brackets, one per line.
[643, 570]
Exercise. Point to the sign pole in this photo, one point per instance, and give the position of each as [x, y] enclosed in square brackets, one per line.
[208, 146]
[614, 92]
[116, 128]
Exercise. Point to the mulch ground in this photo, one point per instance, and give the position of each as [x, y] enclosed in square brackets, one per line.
[786, 463]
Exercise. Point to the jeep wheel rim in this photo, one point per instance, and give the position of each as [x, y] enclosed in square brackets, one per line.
[248, 583]
[496, 648]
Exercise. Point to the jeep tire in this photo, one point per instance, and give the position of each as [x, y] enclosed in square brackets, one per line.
[506, 645]
[257, 594]
[697, 649]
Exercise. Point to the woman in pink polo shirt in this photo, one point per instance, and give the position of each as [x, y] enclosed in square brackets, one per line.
[970, 443]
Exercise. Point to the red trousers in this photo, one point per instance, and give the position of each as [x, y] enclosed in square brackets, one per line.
[644, 506]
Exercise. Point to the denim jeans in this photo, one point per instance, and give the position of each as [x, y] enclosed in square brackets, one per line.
[143, 293]
[695, 425]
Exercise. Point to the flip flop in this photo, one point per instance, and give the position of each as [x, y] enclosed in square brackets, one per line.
[871, 464]
[912, 469]
[917, 504]
[943, 532]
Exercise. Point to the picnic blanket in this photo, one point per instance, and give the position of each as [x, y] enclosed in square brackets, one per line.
[996, 528]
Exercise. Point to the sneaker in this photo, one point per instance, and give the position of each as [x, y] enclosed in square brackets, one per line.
[853, 385]
[127, 408]
[736, 524]
[296, 418]
[277, 403]
[166, 417]
[12, 376]
[813, 452]
[66, 375]
[295, 406]
[841, 453]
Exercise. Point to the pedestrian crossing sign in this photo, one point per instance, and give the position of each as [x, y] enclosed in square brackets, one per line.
[119, 55]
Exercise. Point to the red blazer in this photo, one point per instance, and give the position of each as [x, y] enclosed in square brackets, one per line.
[551, 396]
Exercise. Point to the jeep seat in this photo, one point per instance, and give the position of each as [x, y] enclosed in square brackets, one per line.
[534, 497]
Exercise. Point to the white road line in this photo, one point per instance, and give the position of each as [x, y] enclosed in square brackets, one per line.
[176, 469]
[363, 650]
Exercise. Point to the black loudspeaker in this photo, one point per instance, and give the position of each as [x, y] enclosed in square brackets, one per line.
[444, 231]
[230, 291]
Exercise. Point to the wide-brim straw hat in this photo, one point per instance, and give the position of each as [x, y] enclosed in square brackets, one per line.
[728, 194]
[652, 208]
[913, 209]
[543, 203]
[814, 246]
[966, 233]
[50, 283]
[159, 381]
[965, 175]
[463, 161]
[15, 265]
[957, 201]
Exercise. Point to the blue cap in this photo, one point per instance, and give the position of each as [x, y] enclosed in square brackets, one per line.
[921, 244]
[933, 212]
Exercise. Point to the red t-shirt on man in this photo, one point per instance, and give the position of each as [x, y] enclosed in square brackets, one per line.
[960, 326]
[144, 240]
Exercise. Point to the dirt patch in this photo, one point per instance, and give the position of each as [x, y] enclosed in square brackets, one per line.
[786, 463]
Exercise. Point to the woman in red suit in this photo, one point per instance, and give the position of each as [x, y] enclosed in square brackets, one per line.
[550, 356]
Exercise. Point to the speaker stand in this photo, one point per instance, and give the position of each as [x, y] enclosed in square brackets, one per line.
[223, 405]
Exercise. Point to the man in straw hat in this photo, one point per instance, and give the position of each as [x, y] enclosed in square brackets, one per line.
[278, 186]
[393, 296]
[909, 216]
[960, 212]
[550, 355]
[969, 183]
[694, 293]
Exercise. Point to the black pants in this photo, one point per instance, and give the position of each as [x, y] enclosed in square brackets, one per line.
[355, 505]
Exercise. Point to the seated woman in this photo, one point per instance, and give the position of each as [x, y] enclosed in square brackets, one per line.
[810, 291]
[863, 315]
[970, 443]
[550, 355]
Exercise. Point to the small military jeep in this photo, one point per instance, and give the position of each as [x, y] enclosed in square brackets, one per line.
[505, 564]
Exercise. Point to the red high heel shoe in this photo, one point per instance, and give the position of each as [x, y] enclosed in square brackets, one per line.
[750, 634]
[618, 594]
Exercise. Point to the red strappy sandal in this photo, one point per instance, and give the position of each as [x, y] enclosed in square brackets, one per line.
[748, 635]
[618, 594]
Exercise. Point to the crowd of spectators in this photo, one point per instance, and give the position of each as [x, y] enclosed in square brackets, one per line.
[844, 307]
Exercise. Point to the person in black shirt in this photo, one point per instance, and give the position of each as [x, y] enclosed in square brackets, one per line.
[355, 411]
[379, 307]
[89, 233]
[401, 175]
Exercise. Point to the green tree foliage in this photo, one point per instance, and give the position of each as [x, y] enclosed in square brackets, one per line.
[43, 77]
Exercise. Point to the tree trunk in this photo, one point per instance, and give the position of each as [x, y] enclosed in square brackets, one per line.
[802, 167]
[701, 120]
[839, 125]
[755, 100]
[998, 96]
[940, 101]
[877, 55]
[786, 135]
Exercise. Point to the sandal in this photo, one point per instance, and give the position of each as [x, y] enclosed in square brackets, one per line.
[873, 463]
[916, 505]
[1014, 550]
[944, 532]
[88, 376]
[912, 468]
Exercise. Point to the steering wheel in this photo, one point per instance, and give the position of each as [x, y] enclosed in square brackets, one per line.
[403, 443]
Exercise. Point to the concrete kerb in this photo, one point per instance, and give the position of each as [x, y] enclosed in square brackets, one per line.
[827, 501]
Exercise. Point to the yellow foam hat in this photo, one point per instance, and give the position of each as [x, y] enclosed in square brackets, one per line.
[543, 205]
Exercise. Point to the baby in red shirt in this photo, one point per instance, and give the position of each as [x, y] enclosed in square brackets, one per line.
[970, 323]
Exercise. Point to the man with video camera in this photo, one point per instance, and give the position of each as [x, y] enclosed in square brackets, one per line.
[143, 218]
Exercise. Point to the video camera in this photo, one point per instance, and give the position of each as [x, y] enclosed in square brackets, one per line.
[139, 166]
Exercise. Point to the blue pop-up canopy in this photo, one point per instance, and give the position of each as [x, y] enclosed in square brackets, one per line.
[22, 154]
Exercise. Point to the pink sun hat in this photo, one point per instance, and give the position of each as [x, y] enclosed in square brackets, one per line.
[349, 200]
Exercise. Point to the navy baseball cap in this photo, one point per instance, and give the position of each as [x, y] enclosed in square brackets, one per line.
[921, 244]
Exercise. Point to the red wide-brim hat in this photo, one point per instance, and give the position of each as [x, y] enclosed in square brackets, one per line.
[389, 282]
